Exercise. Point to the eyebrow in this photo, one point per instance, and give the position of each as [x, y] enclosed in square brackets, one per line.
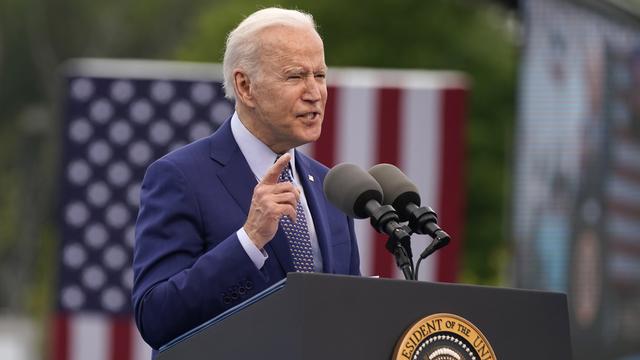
[302, 70]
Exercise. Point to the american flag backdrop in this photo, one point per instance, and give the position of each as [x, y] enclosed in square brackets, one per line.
[120, 115]
[413, 119]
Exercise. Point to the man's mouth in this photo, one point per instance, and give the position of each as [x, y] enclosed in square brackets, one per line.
[312, 115]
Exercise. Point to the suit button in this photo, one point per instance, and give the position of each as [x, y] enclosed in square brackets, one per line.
[234, 295]
[242, 290]
[248, 284]
[226, 300]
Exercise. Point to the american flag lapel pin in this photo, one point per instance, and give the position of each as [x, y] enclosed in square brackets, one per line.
[311, 178]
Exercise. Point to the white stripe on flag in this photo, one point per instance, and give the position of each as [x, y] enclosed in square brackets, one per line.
[89, 338]
[420, 158]
[140, 350]
[356, 134]
[356, 131]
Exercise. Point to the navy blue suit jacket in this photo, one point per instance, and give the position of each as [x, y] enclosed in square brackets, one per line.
[188, 263]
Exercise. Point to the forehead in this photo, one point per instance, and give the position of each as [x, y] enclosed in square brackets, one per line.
[292, 45]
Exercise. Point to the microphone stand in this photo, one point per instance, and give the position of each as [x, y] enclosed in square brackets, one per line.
[439, 241]
[401, 250]
[422, 220]
[385, 220]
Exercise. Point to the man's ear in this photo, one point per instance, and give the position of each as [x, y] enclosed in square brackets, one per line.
[243, 88]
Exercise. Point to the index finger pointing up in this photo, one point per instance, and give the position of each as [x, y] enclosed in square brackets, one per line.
[271, 177]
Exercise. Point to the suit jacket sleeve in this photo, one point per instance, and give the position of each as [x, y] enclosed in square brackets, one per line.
[181, 280]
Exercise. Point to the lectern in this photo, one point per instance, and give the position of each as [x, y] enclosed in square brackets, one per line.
[320, 316]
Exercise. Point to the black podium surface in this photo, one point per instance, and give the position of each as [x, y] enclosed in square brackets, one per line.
[319, 316]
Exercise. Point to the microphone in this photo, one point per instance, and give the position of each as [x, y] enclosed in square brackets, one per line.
[356, 193]
[403, 195]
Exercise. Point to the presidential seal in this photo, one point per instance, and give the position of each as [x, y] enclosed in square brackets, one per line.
[443, 337]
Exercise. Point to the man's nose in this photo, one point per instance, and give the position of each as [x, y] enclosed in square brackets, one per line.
[312, 89]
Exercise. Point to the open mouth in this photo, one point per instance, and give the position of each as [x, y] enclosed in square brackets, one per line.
[309, 116]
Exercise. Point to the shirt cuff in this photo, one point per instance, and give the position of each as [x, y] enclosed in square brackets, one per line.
[257, 256]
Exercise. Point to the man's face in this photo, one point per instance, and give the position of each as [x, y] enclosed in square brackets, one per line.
[289, 91]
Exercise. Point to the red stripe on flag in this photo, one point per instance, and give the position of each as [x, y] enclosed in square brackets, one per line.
[324, 150]
[121, 343]
[388, 151]
[60, 337]
[452, 190]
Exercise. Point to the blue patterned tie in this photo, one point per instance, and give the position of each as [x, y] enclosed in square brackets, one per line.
[297, 233]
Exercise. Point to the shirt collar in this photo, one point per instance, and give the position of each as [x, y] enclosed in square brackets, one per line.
[258, 155]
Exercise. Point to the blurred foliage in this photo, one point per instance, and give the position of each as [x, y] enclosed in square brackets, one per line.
[37, 36]
[472, 37]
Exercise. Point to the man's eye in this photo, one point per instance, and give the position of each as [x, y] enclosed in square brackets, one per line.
[294, 77]
[321, 76]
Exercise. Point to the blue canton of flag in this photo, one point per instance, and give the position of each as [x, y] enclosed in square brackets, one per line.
[114, 128]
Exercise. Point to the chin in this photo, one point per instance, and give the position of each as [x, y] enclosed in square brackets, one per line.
[309, 133]
[313, 135]
[304, 139]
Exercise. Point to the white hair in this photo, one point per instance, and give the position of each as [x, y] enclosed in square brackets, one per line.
[243, 43]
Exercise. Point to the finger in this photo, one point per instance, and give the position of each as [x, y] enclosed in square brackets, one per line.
[262, 190]
[271, 177]
[287, 198]
[289, 211]
[284, 187]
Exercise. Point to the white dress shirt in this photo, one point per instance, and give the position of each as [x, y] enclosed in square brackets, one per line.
[260, 158]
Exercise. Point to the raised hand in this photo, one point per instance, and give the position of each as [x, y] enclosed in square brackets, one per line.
[271, 200]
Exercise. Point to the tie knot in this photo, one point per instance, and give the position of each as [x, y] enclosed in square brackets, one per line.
[285, 174]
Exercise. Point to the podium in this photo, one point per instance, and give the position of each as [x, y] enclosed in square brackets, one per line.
[320, 316]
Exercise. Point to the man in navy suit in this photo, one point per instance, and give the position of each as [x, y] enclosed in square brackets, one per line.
[214, 215]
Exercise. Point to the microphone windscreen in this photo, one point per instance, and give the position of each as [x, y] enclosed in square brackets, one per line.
[397, 188]
[349, 188]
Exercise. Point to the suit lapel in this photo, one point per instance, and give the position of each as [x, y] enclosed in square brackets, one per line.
[316, 201]
[235, 174]
[237, 177]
